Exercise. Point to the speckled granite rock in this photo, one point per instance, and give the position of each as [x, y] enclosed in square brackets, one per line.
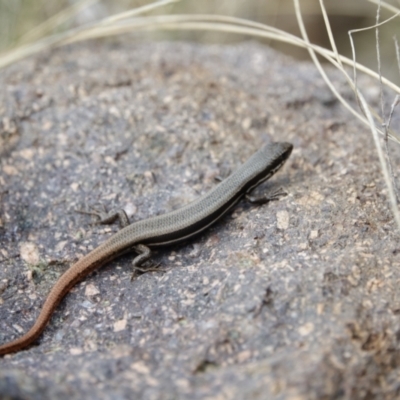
[297, 299]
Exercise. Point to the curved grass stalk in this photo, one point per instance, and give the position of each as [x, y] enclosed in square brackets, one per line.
[363, 104]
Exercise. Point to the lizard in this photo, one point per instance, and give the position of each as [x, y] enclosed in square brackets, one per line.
[167, 229]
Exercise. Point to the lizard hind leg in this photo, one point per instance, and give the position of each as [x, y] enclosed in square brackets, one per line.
[142, 258]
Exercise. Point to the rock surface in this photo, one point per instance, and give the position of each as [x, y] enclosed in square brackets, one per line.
[298, 299]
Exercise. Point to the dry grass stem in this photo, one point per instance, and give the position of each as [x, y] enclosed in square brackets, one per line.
[386, 122]
[48, 26]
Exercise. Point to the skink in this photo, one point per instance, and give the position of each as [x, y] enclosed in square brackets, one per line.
[171, 228]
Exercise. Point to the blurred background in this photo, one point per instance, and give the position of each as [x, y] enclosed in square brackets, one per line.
[17, 17]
